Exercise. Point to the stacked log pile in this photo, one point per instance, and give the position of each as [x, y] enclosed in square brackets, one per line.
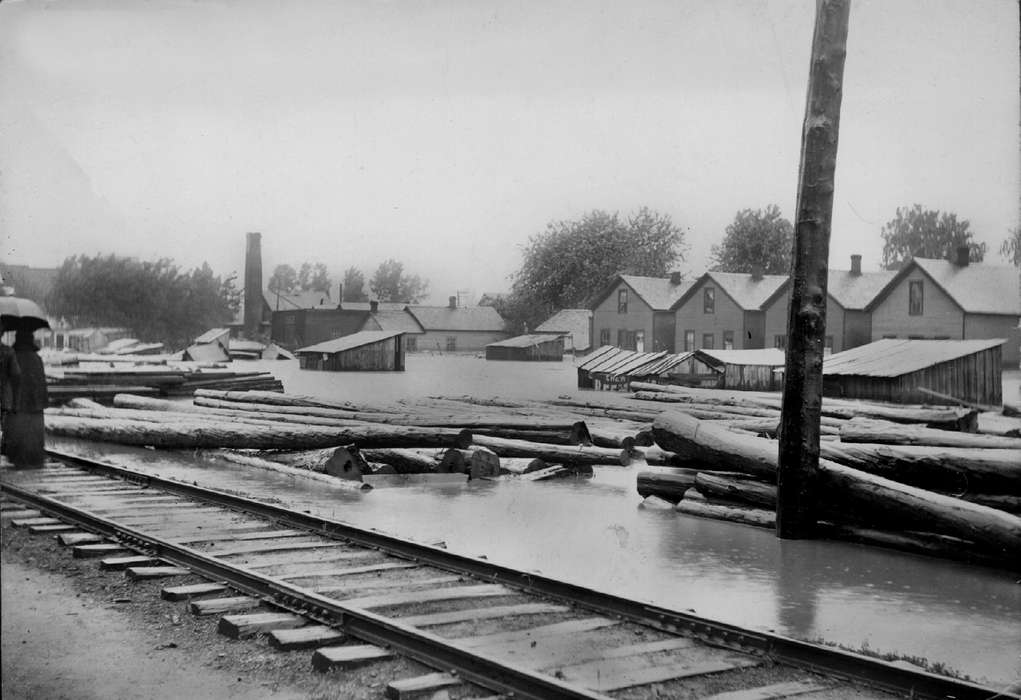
[101, 382]
[917, 478]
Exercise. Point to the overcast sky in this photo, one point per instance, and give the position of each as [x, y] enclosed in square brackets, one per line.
[445, 133]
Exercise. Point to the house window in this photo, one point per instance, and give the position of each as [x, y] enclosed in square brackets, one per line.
[604, 336]
[708, 341]
[628, 339]
[709, 300]
[728, 340]
[451, 343]
[622, 301]
[915, 295]
[689, 341]
[780, 341]
[410, 343]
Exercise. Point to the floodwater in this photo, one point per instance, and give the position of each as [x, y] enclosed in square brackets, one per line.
[593, 532]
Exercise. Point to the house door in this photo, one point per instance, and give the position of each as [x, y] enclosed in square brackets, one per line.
[640, 341]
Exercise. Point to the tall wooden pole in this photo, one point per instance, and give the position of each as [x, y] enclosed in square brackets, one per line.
[806, 321]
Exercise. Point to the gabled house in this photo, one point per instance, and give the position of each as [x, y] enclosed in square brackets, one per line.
[848, 324]
[454, 328]
[574, 324]
[724, 310]
[950, 300]
[634, 312]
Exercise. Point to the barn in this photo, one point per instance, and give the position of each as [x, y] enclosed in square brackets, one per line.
[535, 347]
[918, 371]
[371, 351]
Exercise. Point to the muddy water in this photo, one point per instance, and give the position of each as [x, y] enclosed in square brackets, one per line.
[594, 533]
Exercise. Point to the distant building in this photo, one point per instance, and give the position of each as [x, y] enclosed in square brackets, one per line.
[723, 310]
[634, 312]
[575, 324]
[455, 329]
[535, 347]
[944, 300]
[370, 351]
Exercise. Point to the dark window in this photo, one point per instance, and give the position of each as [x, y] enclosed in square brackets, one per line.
[889, 336]
[604, 336]
[627, 339]
[622, 301]
[915, 297]
[708, 341]
[780, 341]
[410, 343]
[451, 343]
[689, 341]
[709, 300]
[728, 340]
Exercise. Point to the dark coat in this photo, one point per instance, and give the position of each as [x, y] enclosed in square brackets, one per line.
[10, 375]
[32, 395]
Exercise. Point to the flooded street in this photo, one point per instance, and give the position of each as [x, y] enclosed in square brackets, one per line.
[593, 532]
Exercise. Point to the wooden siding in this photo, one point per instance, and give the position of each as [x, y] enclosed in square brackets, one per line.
[752, 378]
[836, 319]
[548, 350]
[728, 316]
[385, 355]
[980, 326]
[941, 317]
[639, 317]
[464, 341]
[976, 378]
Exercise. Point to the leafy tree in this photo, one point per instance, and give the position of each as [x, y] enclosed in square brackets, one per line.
[1011, 247]
[572, 260]
[155, 300]
[760, 239]
[389, 283]
[927, 233]
[354, 285]
[283, 280]
[313, 278]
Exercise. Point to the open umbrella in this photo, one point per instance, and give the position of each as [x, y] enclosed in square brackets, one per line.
[18, 312]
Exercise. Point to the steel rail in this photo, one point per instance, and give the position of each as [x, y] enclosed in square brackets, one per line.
[806, 655]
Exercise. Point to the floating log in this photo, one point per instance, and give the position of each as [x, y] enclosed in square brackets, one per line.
[656, 456]
[345, 462]
[555, 472]
[734, 486]
[889, 433]
[560, 454]
[1010, 504]
[482, 462]
[521, 465]
[250, 460]
[668, 483]
[858, 490]
[999, 424]
[203, 434]
[745, 516]
[403, 461]
[927, 543]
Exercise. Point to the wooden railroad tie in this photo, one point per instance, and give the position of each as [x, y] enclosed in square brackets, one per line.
[308, 637]
[240, 626]
[347, 657]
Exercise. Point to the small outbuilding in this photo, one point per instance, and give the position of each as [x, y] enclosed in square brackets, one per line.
[897, 370]
[535, 347]
[371, 351]
[746, 370]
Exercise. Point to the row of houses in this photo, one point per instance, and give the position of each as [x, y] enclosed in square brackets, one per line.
[925, 299]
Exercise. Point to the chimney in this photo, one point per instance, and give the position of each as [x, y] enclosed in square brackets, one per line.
[856, 265]
[963, 255]
[756, 272]
[253, 285]
[675, 277]
[374, 305]
[452, 302]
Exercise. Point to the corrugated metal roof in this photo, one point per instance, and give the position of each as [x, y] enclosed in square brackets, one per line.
[657, 292]
[597, 355]
[573, 321]
[347, 342]
[771, 357]
[659, 366]
[466, 318]
[978, 288]
[893, 357]
[524, 341]
[606, 360]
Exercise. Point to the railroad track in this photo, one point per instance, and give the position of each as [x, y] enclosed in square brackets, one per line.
[354, 596]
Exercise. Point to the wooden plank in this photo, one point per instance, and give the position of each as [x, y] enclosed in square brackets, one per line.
[485, 590]
[121, 563]
[346, 657]
[577, 648]
[420, 686]
[384, 585]
[308, 637]
[51, 529]
[770, 692]
[281, 547]
[139, 573]
[28, 522]
[218, 606]
[69, 539]
[353, 570]
[299, 559]
[616, 674]
[568, 627]
[89, 551]
[446, 618]
[191, 591]
[245, 537]
[240, 626]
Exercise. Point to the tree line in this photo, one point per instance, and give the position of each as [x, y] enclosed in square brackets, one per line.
[389, 283]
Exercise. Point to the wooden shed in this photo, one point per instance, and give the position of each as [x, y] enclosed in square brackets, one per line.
[746, 370]
[535, 347]
[896, 370]
[372, 351]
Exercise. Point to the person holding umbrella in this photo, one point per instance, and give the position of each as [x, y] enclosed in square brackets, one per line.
[10, 374]
[24, 433]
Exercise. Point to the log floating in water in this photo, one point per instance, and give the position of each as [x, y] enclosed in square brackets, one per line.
[250, 460]
[560, 454]
[735, 486]
[521, 465]
[747, 516]
[669, 483]
[889, 433]
[403, 460]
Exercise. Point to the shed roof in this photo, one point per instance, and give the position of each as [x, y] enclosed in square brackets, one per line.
[748, 291]
[977, 287]
[893, 357]
[397, 320]
[772, 357]
[213, 334]
[348, 342]
[524, 341]
[573, 321]
[465, 318]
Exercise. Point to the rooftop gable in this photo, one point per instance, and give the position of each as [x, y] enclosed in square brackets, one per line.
[749, 292]
[347, 342]
[852, 291]
[658, 292]
[465, 318]
[977, 288]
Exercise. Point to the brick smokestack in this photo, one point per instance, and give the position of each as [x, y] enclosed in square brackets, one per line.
[253, 285]
[856, 265]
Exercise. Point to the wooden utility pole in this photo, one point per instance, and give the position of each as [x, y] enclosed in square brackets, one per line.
[806, 321]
